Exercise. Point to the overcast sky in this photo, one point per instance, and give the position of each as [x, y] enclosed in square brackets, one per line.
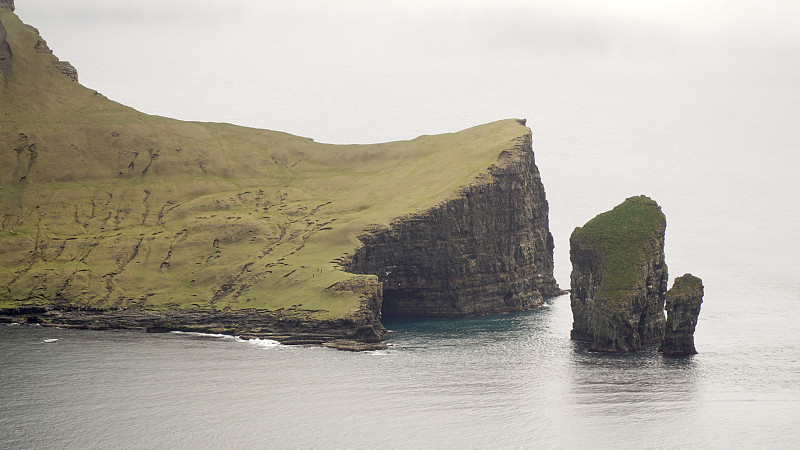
[695, 103]
[274, 64]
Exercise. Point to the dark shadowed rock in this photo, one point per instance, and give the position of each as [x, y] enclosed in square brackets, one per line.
[7, 4]
[619, 277]
[683, 308]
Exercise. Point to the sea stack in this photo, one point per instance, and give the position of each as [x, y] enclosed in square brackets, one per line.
[683, 307]
[619, 277]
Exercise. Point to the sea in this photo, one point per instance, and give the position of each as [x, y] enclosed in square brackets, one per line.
[500, 381]
[697, 108]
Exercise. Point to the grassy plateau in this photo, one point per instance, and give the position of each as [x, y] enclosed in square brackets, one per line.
[623, 238]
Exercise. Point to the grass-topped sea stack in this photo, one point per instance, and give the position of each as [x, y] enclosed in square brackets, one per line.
[114, 218]
[619, 277]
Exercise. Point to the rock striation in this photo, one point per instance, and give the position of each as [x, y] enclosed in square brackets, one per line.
[683, 307]
[619, 277]
[488, 250]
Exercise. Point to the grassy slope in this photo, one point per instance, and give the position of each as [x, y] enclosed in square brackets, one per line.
[119, 208]
[621, 236]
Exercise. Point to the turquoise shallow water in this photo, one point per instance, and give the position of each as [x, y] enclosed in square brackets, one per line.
[510, 381]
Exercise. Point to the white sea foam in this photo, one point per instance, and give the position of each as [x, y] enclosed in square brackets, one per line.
[257, 342]
[195, 333]
[266, 343]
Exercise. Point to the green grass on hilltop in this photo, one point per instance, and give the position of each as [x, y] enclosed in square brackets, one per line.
[686, 284]
[105, 206]
[623, 237]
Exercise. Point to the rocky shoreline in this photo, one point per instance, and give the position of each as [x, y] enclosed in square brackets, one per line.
[351, 334]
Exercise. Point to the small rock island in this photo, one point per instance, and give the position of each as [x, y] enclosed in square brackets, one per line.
[683, 307]
[619, 277]
[619, 284]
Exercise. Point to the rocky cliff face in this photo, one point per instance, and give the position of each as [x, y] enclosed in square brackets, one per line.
[683, 307]
[7, 4]
[619, 277]
[487, 250]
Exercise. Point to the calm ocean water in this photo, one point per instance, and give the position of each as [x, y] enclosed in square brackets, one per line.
[506, 381]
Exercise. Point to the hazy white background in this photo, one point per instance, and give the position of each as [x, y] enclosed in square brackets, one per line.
[695, 103]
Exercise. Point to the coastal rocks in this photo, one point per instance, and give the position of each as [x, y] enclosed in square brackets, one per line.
[487, 250]
[683, 306]
[291, 327]
[7, 4]
[619, 278]
[280, 326]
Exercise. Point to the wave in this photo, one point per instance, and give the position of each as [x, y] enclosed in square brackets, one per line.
[195, 333]
[257, 342]
[266, 343]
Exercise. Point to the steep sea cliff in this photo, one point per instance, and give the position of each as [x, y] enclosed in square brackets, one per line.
[488, 250]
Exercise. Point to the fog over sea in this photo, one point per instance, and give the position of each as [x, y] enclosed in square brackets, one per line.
[693, 103]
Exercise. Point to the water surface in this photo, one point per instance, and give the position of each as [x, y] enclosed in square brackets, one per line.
[512, 380]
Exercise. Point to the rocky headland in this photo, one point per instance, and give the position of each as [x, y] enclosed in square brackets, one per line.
[683, 307]
[619, 278]
[488, 250]
[111, 218]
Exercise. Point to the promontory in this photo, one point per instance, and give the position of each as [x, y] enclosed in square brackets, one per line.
[112, 218]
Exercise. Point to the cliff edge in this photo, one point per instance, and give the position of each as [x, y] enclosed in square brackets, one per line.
[487, 250]
[619, 277]
[111, 218]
